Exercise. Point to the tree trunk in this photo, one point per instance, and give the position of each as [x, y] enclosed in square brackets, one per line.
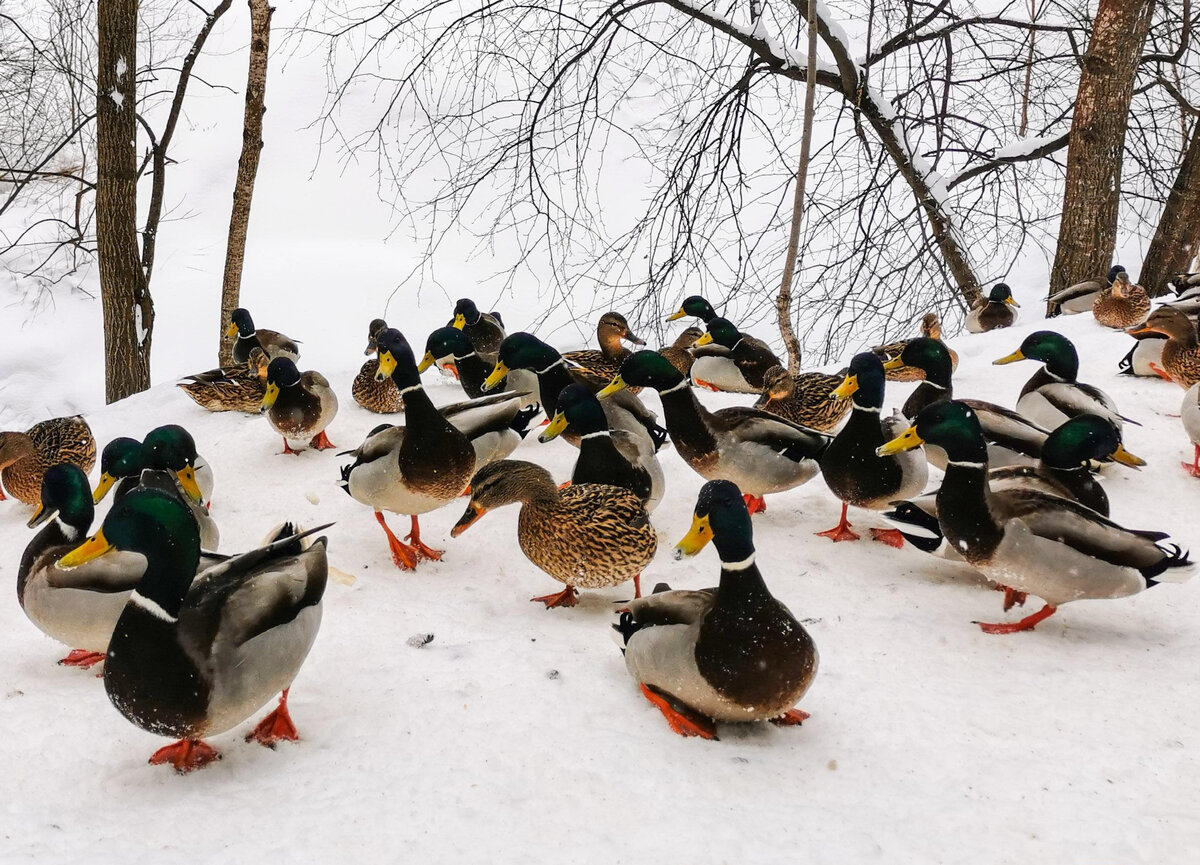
[1087, 234]
[125, 297]
[1177, 238]
[243, 190]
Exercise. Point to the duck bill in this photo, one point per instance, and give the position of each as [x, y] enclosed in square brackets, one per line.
[906, 441]
[498, 374]
[387, 365]
[675, 316]
[187, 480]
[93, 548]
[705, 339]
[473, 512]
[557, 425]
[1009, 358]
[370, 349]
[635, 339]
[460, 321]
[426, 362]
[1141, 330]
[846, 389]
[894, 363]
[231, 331]
[102, 487]
[269, 398]
[1012, 302]
[41, 515]
[696, 539]
[1125, 458]
[612, 387]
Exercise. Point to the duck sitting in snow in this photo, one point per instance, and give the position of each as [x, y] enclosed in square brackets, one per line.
[25, 456]
[994, 312]
[247, 337]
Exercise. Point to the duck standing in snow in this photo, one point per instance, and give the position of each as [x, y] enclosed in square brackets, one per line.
[485, 330]
[1189, 413]
[600, 365]
[803, 399]
[299, 406]
[995, 312]
[230, 388]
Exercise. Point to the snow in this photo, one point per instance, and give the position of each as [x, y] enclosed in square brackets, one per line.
[1023, 147]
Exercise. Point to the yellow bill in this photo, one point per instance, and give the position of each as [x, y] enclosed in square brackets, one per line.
[705, 339]
[675, 316]
[269, 398]
[612, 387]
[906, 441]
[894, 363]
[102, 487]
[696, 539]
[460, 321]
[387, 363]
[1011, 301]
[1124, 457]
[231, 331]
[557, 424]
[39, 516]
[187, 480]
[844, 390]
[426, 362]
[93, 548]
[498, 374]
[1009, 358]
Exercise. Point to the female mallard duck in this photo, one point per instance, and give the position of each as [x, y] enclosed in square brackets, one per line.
[193, 655]
[380, 397]
[588, 536]
[1122, 304]
[1180, 359]
[272, 343]
[730, 654]
[606, 456]
[486, 331]
[413, 469]
[803, 399]
[1189, 413]
[1012, 440]
[230, 388]
[931, 328]
[24, 457]
[678, 352]
[524, 351]
[1041, 544]
[80, 607]
[1053, 394]
[1081, 296]
[299, 406]
[758, 451]
[850, 466]
[752, 359]
[713, 365]
[603, 363]
[993, 313]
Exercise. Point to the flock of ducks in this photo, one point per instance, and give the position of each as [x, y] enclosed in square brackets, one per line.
[193, 642]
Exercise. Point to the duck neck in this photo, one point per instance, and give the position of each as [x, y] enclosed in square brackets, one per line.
[1082, 485]
[171, 564]
[419, 411]
[741, 582]
[610, 345]
[551, 381]
[687, 420]
[927, 393]
[963, 510]
[472, 372]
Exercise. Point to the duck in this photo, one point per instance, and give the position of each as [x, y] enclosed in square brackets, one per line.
[25, 456]
[758, 451]
[524, 351]
[413, 469]
[931, 328]
[194, 654]
[713, 366]
[1189, 413]
[1180, 358]
[375, 396]
[606, 456]
[230, 388]
[246, 337]
[604, 363]
[1122, 305]
[1081, 297]
[852, 470]
[299, 406]
[1012, 439]
[1029, 541]
[450, 349]
[589, 536]
[995, 312]
[80, 607]
[752, 359]
[678, 352]
[485, 330]
[1054, 394]
[733, 654]
[803, 399]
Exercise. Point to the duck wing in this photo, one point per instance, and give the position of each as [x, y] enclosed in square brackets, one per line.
[1076, 398]
[789, 439]
[1005, 427]
[489, 413]
[674, 607]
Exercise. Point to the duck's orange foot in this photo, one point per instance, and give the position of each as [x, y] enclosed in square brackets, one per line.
[568, 597]
[682, 719]
[321, 442]
[3, 497]
[1160, 372]
[891, 537]
[276, 726]
[466, 492]
[1025, 624]
[1012, 598]
[1191, 468]
[403, 556]
[637, 585]
[563, 486]
[81, 658]
[418, 548]
[754, 504]
[288, 450]
[186, 755]
[840, 532]
[707, 385]
[791, 718]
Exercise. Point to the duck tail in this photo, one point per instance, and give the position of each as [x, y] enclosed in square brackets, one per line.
[1174, 567]
[344, 483]
[1125, 365]
[626, 627]
[520, 423]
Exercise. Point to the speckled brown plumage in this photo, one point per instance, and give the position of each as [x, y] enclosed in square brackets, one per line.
[26, 456]
[1122, 304]
[677, 352]
[381, 397]
[1181, 352]
[803, 399]
[931, 326]
[600, 366]
[233, 388]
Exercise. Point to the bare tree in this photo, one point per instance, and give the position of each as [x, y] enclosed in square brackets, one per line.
[1177, 239]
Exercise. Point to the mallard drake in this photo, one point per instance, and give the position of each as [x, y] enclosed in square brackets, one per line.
[713, 365]
[1012, 440]
[24, 457]
[1145, 357]
[993, 313]
[587, 536]
[803, 399]
[1041, 544]
[606, 456]
[377, 396]
[273, 343]
[1185, 283]
[413, 469]
[450, 349]
[230, 388]
[1081, 296]
[486, 331]
[751, 358]
[1181, 352]
[524, 351]
[1189, 413]
[730, 654]
[758, 451]
[603, 363]
[1122, 304]
[678, 352]
[191, 655]
[80, 607]
[1053, 394]
[851, 468]
[931, 327]
[299, 406]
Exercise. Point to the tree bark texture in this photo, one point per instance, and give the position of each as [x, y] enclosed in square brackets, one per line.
[1087, 234]
[1177, 237]
[125, 296]
[243, 190]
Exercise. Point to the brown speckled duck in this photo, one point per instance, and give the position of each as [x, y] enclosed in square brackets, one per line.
[381, 397]
[1122, 304]
[1181, 353]
[678, 352]
[600, 365]
[24, 457]
[231, 388]
[804, 399]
